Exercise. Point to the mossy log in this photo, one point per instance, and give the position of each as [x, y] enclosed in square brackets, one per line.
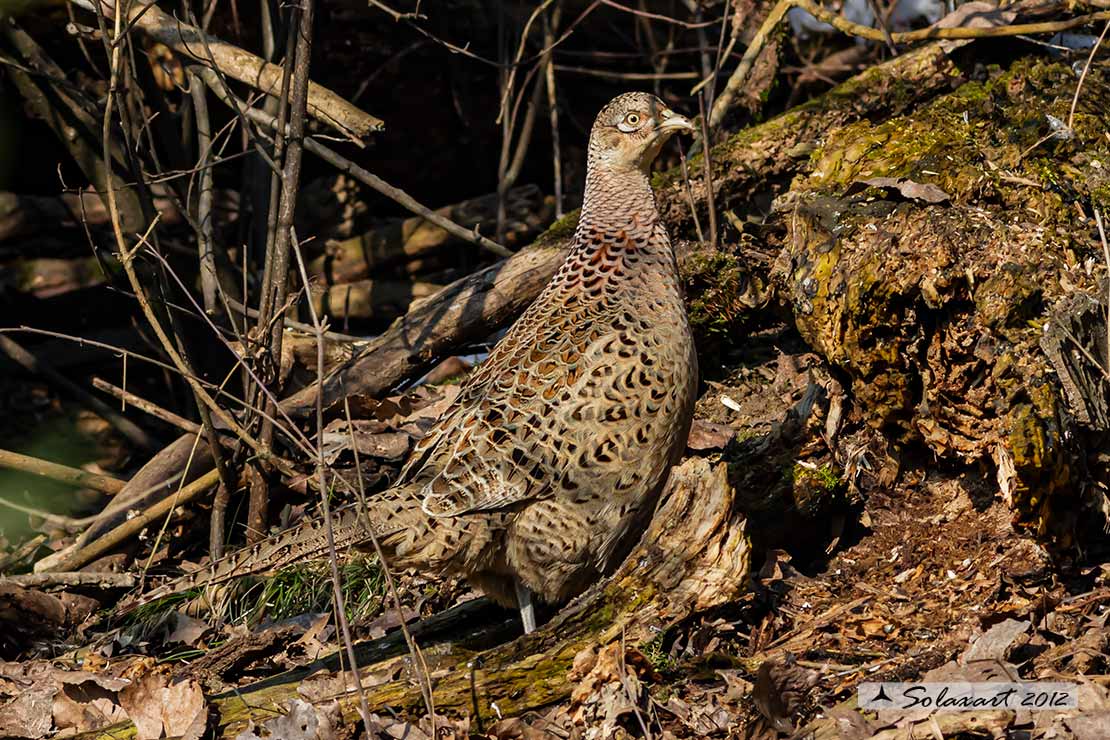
[932, 288]
[693, 557]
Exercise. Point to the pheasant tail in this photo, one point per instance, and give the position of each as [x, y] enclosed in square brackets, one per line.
[351, 527]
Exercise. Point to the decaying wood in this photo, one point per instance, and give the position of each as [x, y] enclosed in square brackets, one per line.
[45, 277]
[78, 579]
[694, 557]
[928, 283]
[77, 557]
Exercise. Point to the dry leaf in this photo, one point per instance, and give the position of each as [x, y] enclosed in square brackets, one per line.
[926, 192]
[186, 630]
[160, 709]
[707, 435]
[143, 703]
[26, 700]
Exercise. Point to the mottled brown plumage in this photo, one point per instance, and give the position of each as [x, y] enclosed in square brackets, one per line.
[543, 472]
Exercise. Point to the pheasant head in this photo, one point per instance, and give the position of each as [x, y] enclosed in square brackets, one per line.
[629, 132]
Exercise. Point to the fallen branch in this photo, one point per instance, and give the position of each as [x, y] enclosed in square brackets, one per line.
[63, 473]
[361, 257]
[144, 405]
[81, 556]
[75, 579]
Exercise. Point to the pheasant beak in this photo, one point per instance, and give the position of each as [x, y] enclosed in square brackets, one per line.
[672, 121]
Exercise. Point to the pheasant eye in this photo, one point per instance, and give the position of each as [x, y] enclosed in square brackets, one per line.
[632, 119]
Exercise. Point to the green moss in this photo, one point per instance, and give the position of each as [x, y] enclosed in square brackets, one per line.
[655, 650]
[561, 229]
[813, 488]
[719, 292]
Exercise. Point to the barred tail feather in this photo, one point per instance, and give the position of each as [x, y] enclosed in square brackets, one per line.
[306, 541]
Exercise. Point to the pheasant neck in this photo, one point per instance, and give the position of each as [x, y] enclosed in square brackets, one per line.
[617, 199]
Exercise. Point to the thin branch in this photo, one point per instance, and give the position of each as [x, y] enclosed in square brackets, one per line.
[144, 405]
[323, 104]
[369, 179]
[549, 26]
[740, 74]
[61, 473]
[208, 278]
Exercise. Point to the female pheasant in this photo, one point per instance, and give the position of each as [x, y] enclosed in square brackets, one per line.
[543, 473]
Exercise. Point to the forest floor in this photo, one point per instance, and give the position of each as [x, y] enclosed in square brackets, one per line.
[922, 577]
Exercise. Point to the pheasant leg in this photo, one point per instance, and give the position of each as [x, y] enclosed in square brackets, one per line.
[527, 610]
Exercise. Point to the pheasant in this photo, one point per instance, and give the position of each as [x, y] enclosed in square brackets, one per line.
[543, 473]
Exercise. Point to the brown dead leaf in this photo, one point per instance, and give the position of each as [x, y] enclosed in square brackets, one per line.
[186, 630]
[26, 700]
[922, 191]
[184, 710]
[708, 435]
[608, 693]
[452, 367]
[143, 703]
[976, 14]
[85, 709]
[780, 689]
[161, 709]
[372, 438]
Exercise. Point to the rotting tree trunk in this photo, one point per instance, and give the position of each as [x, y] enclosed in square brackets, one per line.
[693, 557]
[934, 287]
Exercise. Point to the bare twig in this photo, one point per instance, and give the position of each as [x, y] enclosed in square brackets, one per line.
[208, 278]
[362, 175]
[325, 506]
[740, 74]
[85, 555]
[281, 219]
[144, 405]
[403, 198]
[414, 650]
[549, 26]
[1106, 257]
